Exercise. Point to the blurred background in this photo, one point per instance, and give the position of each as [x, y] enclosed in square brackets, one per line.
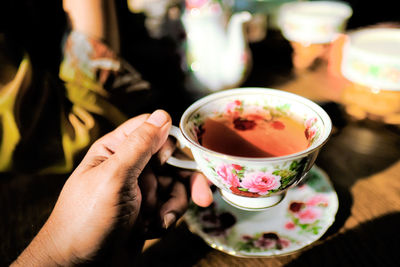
[54, 103]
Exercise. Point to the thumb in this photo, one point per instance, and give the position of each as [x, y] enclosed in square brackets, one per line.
[136, 150]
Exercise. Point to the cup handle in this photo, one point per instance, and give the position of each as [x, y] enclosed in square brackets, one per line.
[185, 164]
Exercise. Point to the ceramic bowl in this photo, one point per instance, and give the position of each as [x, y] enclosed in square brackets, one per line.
[371, 63]
[314, 22]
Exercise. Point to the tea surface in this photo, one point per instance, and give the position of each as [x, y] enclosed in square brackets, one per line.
[253, 136]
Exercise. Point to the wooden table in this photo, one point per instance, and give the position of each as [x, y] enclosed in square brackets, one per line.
[361, 158]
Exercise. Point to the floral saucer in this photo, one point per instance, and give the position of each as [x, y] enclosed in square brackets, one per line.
[304, 215]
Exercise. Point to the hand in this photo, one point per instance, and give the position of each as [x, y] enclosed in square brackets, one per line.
[95, 18]
[113, 197]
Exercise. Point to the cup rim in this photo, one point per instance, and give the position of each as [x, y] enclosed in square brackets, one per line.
[354, 50]
[344, 10]
[319, 111]
[358, 37]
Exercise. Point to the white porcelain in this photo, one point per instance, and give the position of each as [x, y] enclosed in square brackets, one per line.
[305, 214]
[313, 22]
[371, 57]
[252, 183]
[216, 49]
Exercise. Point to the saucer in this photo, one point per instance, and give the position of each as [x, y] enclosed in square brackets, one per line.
[303, 216]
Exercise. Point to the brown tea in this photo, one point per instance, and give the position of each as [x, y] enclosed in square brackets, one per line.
[253, 136]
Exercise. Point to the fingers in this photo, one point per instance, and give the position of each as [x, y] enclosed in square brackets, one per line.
[175, 206]
[178, 201]
[148, 186]
[166, 151]
[136, 150]
[200, 190]
[198, 185]
[104, 147]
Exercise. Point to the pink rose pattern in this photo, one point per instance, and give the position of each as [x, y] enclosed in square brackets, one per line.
[310, 122]
[290, 225]
[233, 108]
[311, 129]
[229, 174]
[318, 200]
[306, 215]
[251, 184]
[261, 182]
[263, 242]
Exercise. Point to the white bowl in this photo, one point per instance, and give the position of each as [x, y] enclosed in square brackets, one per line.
[371, 57]
[313, 22]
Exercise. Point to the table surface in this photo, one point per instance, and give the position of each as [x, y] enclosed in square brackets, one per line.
[362, 159]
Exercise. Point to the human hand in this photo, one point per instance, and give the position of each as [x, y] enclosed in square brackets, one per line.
[113, 197]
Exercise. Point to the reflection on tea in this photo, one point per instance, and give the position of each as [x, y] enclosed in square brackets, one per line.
[253, 135]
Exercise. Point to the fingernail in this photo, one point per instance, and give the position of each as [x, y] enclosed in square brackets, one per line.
[169, 219]
[158, 118]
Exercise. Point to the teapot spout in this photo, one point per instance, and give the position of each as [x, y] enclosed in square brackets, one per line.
[235, 26]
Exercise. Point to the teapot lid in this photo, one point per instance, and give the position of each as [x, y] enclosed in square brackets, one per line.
[371, 57]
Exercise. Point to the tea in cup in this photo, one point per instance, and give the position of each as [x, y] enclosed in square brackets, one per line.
[252, 143]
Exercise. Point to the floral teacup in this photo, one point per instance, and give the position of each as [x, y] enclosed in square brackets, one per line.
[252, 183]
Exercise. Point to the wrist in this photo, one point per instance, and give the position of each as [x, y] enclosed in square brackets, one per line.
[42, 251]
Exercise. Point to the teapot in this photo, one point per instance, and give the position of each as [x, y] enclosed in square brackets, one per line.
[217, 53]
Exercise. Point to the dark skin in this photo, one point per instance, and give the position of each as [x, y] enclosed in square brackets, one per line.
[116, 199]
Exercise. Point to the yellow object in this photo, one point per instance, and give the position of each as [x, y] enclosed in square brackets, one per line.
[78, 100]
[8, 94]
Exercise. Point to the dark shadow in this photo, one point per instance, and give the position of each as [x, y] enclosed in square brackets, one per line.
[159, 60]
[374, 243]
[25, 204]
[271, 61]
[367, 12]
[337, 114]
[178, 248]
[356, 151]
[359, 150]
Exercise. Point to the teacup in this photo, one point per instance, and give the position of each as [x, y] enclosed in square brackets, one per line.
[252, 183]
[310, 27]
